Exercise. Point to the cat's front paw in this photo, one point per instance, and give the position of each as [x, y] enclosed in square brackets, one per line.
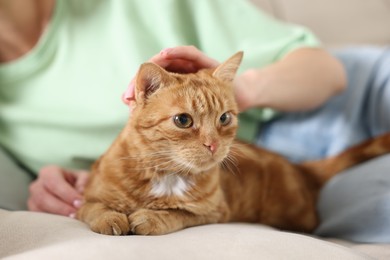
[111, 223]
[150, 222]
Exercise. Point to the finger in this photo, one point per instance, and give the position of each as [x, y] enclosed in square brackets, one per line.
[54, 182]
[178, 66]
[42, 200]
[129, 94]
[182, 59]
[82, 179]
[189, 53]
[31, 205]
[161, 59]
[182, 66]
[50, 204]
[69, 177]
[53, 205]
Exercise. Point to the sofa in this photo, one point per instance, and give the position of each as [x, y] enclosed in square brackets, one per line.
[29, 235]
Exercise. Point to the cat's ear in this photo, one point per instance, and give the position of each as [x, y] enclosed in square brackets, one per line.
[227, 70]
[150, 78]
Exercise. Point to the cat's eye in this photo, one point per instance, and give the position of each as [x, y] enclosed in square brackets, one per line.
[183, 120]
[225, 119]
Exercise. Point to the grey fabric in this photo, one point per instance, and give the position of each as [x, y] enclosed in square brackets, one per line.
[14, 182]
[355, 205]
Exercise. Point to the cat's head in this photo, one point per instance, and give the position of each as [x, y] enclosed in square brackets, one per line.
[185, 122]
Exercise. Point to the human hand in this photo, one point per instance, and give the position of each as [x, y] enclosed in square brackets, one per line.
[182, 59]
[57, 191]
[248, 88]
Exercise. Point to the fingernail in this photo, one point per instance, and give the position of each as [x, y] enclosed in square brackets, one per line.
[72, 215]
[77, 203]
[166, 51]
[129, 93]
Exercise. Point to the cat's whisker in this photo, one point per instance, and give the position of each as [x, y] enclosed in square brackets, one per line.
[184, 167]
[152, 154]
[149, 158]
[229, 162]
[179, 166]
[233, 155]
[225, 165]
[160, 166]
[190, 166]
[237, 149]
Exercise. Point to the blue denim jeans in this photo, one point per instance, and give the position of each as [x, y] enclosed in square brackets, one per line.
[355, 205]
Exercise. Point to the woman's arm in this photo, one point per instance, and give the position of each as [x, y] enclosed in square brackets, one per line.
[303, 80]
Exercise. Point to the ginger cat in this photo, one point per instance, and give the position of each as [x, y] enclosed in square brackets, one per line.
[177, 164]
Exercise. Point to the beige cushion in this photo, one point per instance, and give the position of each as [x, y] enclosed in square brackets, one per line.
[28, 235]
[337, 23]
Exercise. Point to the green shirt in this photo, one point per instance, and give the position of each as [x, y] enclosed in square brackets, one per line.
[61, 102]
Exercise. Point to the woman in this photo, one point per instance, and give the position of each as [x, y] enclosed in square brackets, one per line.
[64, 64]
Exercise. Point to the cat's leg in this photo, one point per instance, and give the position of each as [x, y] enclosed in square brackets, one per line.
[104, 220]
[158, 222]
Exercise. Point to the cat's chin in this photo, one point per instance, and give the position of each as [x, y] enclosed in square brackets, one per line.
[209, 163]
[206, 166]
[196, 164]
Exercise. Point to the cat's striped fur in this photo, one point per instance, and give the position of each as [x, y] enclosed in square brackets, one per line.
[159, 177]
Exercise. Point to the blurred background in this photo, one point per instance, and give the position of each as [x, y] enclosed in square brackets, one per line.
[338, 23]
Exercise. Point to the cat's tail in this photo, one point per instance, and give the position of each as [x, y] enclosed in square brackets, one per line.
[325, 169]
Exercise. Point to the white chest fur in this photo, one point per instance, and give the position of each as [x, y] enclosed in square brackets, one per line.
[170, 185]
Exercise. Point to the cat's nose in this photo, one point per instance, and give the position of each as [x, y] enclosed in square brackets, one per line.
[212, 146]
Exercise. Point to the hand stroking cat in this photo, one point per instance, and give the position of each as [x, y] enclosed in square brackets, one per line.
[177, 164]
